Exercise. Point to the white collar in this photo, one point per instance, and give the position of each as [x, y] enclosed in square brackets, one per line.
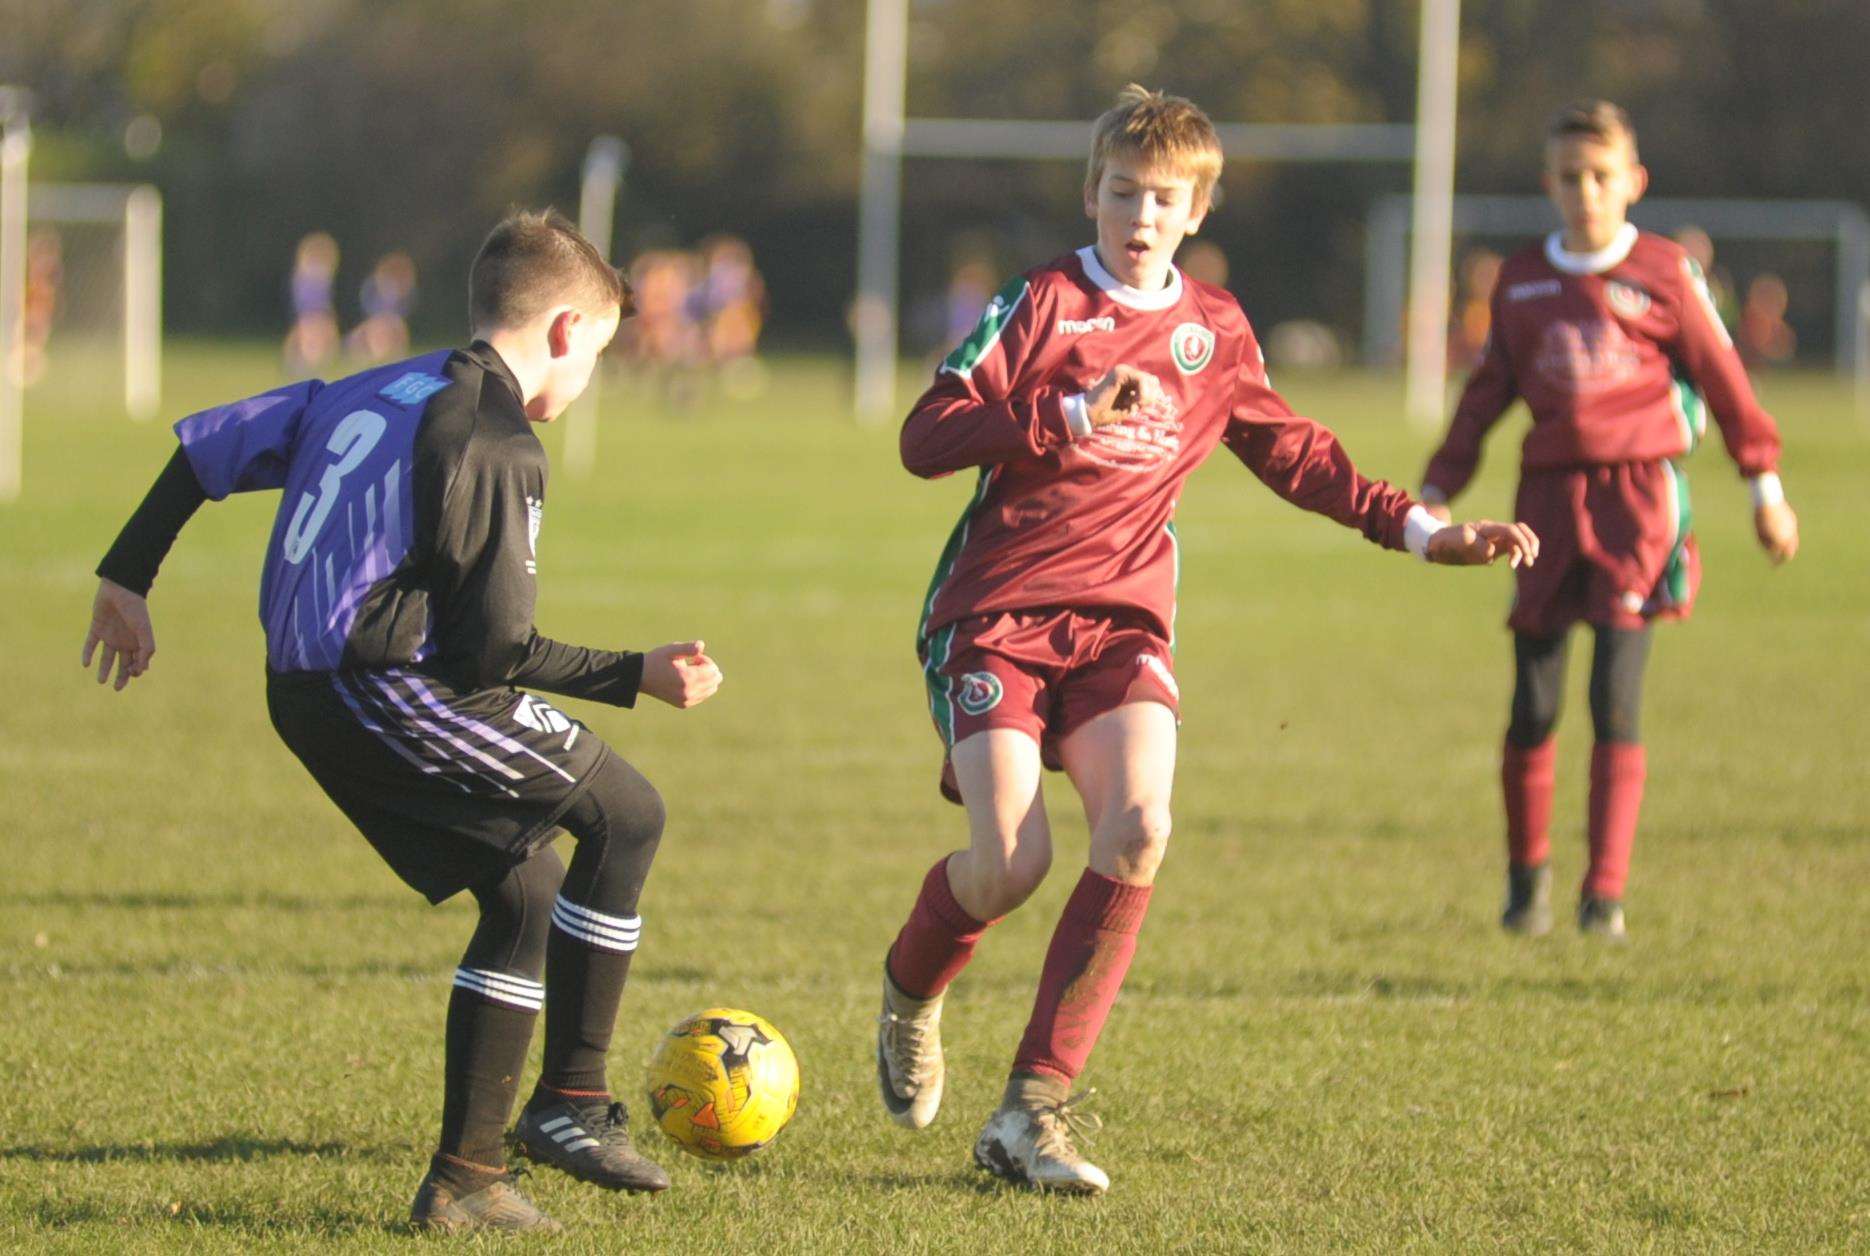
[1122, 293]
[1590, 263]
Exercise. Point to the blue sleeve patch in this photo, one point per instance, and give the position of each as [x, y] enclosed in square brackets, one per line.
[412, 388]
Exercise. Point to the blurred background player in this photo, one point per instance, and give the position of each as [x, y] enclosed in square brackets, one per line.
[1086, 394]
[45, 282]
[313, 339]
[1610, 337]
[397, 598]
[387, 298]
[729, 305]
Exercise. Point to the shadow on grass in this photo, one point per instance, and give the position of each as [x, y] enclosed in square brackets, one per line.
[225, 1149]
[267, 900]
[967, 1182]
[322, 1222]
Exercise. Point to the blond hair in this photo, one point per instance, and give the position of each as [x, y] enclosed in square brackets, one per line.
[534, 260]
[1594, 119]
[1166, 132]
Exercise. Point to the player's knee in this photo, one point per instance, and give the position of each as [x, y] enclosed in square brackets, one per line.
[1009, 877]
[1138, 839]
[1617, 722]
[620, 809]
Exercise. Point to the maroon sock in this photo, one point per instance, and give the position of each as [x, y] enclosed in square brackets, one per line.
[1526, 783]
[1618, 770]
[1084, 968]
[937, 941]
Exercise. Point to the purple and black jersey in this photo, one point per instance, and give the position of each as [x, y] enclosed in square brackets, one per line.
[412, 499]
[345, 455]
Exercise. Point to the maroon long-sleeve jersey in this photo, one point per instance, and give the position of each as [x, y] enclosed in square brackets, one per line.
[1613, 353]
[1064, 516]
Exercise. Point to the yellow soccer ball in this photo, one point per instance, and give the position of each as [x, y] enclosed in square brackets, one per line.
[723, 1083]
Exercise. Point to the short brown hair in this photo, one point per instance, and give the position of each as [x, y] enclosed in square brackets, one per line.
[534, 260]
[1597, 119]
[1165, 131]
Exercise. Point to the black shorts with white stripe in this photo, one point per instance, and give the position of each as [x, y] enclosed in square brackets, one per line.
[452, 788]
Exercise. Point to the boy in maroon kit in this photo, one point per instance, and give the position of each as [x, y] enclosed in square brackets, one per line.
[1609, 335]
[1088, 392]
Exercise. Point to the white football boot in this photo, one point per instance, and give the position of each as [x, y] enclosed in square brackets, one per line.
[910, 1070]
[1031, 1144]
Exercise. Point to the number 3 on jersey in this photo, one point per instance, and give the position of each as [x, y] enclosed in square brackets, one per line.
[352, 440]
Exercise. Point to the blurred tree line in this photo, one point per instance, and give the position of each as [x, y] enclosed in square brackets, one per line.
[412, 123]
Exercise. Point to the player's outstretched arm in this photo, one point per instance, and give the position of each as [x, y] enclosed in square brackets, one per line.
[681, 674]
[1482, 542]
[120, 627]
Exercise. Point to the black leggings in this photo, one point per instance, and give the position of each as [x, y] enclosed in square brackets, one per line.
[617, 822]
[1617, 666]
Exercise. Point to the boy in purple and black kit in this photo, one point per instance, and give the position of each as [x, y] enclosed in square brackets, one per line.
[397, 597]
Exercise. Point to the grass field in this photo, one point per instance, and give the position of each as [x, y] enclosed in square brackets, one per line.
[223, 1015]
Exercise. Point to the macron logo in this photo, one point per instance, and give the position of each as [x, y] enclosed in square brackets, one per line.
[1079, 326]
[1528, 291]
[412, 388]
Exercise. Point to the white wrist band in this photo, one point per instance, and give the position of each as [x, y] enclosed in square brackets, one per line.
[1077, 418]
[1418, 526]
[1767, 490]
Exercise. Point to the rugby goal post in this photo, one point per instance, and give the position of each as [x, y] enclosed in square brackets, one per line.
[889, 136]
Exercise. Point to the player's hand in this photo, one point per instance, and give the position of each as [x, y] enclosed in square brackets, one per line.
[1482, 542]
[1122, 393]
[681, 674]
[120, 624]
[1778, 530]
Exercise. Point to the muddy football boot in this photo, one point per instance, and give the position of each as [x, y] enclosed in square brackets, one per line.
[590, 1141]
[1032, 1145]
[1601, 917]
[1528, 901]
[499, 1206]
[910, 1070]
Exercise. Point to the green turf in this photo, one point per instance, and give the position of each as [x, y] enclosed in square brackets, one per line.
[223, 1015]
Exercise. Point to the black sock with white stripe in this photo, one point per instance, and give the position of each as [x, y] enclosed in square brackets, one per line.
[618, 823]
[587, 961]
[491, 1010]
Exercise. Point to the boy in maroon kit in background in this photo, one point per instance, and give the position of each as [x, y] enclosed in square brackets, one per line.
[1610, 337]
[1090, 389]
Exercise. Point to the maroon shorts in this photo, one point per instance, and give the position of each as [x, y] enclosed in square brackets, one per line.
[1615, 548]
[1044, 672]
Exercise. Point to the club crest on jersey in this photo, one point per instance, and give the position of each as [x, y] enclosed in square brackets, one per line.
[980, 693]
[1191, 345]
[1627, 299]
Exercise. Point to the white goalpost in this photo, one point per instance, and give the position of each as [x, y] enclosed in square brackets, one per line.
[134, 212]
[15, 148]
[889, 136]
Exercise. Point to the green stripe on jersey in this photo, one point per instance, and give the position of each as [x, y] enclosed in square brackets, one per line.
[934, 650]
[1175, 590]
[986, 333]
[1691, 412]
[1675, 571]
